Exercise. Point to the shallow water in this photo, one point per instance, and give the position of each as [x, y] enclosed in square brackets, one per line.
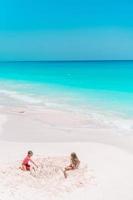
[103, 90]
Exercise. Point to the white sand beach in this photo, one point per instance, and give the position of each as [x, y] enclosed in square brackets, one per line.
[106, 157]
[66, 100]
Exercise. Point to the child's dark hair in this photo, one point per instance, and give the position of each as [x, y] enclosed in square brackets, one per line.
[30, 152]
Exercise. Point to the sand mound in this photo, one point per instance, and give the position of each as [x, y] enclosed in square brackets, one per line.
[48, 179]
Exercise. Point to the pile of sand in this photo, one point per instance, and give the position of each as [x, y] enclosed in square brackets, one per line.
[48, 180]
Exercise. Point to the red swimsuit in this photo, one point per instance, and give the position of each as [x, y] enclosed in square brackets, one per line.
[26, 163]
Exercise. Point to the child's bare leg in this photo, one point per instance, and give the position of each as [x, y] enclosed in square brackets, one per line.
[67, 169]
[23, 168]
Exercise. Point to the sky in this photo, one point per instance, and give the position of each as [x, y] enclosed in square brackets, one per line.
[66, 30]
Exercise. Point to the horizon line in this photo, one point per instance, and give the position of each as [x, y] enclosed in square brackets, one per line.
[104, 60]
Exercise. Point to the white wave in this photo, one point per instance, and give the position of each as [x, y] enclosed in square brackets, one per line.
[124, 124]
[117, 122]
[21, 97]
[96, 118]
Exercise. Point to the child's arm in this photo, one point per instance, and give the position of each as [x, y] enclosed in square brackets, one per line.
[77, 165]
[33, 163]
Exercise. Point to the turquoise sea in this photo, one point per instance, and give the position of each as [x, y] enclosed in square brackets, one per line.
[101, 87]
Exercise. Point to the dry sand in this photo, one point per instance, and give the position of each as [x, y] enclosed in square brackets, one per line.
[106, 171]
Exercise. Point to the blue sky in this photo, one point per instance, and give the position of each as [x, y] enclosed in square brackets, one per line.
[66, 29]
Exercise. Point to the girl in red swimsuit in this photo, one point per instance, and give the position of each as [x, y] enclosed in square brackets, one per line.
[74, 163]
[26, 162]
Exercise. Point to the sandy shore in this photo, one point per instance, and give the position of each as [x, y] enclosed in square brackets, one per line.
[106, 156]
[32, 125]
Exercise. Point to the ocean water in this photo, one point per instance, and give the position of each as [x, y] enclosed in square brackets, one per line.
[103, 90]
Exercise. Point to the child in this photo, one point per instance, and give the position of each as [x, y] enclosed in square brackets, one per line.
[74, 163]
[26, 162]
